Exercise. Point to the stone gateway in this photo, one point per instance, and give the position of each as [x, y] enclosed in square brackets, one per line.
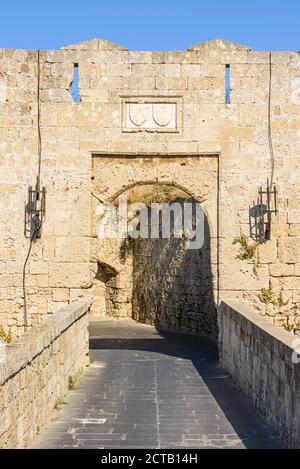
[81, 127]
[148, 120]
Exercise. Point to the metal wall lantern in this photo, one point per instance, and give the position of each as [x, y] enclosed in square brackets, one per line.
[35, 210]
[260, 214]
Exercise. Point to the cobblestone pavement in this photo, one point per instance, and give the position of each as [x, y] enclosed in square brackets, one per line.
[146, 389]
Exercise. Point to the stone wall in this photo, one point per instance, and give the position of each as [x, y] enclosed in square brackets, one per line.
[112, 289]
[259, 357]
[146, 117]
[34, 373]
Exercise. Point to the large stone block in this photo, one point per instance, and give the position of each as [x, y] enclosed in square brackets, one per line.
[289, 250]
[294, 211]
[72, 249]
[70, 275]
[242, 276]
[282, 270]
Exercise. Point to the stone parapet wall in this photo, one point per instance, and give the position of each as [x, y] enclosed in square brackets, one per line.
[259, 357]
[34, 373]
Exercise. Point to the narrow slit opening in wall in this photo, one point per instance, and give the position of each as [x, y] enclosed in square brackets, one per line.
[75, 85]
[227, 84]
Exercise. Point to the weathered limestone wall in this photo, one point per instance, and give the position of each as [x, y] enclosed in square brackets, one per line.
[259, 356]
[35, 370]
[134, 105]
[112, 288]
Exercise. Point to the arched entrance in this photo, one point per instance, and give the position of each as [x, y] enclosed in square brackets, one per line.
[159, 281]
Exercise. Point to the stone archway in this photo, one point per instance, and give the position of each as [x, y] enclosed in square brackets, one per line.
[151, 282]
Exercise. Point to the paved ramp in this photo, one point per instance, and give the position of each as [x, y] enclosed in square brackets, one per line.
[146, 389]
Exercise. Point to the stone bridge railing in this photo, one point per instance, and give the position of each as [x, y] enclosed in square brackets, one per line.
[34, 373]
[259, 356]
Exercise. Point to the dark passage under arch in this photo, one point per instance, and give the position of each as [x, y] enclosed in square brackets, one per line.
[173, 285]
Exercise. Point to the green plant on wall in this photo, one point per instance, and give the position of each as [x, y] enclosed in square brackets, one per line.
[291, 326]
[267, 296]
[71, 382]
[7, 338]
[280, 301]
[247, 251]
[126, 247]
[59, 403]
[129, 243]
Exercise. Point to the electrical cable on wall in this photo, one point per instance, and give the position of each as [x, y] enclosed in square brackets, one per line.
[24, 285]
[35, 207]
[270, 122]
[260, 215]
[39, 123]
[101, 201]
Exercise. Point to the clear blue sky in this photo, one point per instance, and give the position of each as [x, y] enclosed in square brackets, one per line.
[150, 25]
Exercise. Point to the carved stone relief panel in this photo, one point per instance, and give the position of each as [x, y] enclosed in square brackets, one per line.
[153, 114]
